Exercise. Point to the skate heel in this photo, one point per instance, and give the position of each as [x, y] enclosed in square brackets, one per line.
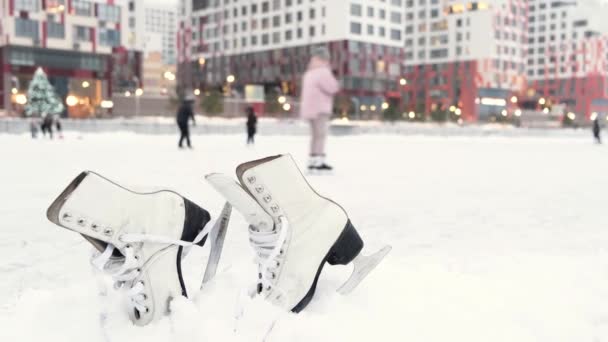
[347, 247]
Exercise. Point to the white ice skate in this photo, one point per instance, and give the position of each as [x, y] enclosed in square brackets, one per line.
[293, 230]
[141, 238]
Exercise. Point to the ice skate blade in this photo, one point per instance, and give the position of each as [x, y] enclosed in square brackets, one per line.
[217, 235]
[363, 265]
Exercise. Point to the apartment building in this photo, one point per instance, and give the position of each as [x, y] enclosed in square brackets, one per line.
[72, 40]
[268, 42]
[567, 59]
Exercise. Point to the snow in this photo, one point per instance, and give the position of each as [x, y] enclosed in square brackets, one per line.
[494, 239]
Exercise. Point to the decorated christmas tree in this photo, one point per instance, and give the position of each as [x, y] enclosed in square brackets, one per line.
[41, 97]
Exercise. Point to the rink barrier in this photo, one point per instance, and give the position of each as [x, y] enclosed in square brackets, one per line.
[290, 127]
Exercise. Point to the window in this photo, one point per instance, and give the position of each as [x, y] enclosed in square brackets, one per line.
[276, 21]
[108, 12]
[311, 13]
[370, 12]
[355, 28]
[311, 31]
[82, 7]
[396, 17]
[355, 9]
[27, 5]
[395, 35]
[265, 39]
[265, 9]
[254, 40]
[287, 18]
[288, 35]
[381, 31]
[370, 29]
[382, 14]
[82, 34]
[108, 37]
[26, 28]
[55, 29]
[434, 13]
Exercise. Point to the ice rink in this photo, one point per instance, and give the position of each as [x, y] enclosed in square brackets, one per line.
[494, 239]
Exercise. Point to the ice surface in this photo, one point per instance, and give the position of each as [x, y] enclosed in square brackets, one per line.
[494, 239]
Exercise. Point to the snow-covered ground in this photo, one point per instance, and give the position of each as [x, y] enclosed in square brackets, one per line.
[494, 239]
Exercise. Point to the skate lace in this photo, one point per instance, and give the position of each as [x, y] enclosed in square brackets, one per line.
[128, 268]
[268, 247]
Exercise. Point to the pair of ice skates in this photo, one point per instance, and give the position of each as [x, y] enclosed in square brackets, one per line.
[141, 238]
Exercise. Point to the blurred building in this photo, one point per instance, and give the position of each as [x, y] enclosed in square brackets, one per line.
[567, 60]
[269, 43]
[74, 41]
[465, 57]
[161, 26]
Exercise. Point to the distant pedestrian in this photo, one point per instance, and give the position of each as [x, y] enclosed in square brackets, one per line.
[184, 115]
[597, 130]
[34, 128]
[318, 89]
[252, 124]
[58, 126]
[46, 125]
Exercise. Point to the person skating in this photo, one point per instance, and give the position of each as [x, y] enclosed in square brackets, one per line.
[46, 125]
[597, 130]
[57, 123]
[318, 89]
[252, 123]
[185, 114]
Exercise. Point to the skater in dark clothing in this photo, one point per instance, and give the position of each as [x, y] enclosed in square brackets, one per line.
[58, 125]
[184, 114]
[47, 125]
[596, 130]
[252, 123]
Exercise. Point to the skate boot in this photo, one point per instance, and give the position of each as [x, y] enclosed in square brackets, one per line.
[293, 230]
[140, 238]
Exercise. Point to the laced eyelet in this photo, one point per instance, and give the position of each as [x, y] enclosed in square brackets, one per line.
[81, 222]
[267, 288]
[251, 179]
[94, 227]
[144, 296]
[136, 257]
[274, 208]
[259, 189]
[281, 252]
[273, 275]
[67, 217]
[108, 231]
[267, 198]
[146, 309]
[142, 283]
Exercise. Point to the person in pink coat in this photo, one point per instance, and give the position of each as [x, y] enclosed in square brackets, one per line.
[318, 89]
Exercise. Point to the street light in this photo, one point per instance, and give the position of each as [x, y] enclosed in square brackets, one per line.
[571, 116]
[372, 108]
[458, 111]
[127, 93]
[504, 112]
[452, 109]
[412, 115]
[21, 99]
[286, 107]
[197, 92]
[139, 92]
[71, 100]
[202, 61]
[281, 99]
[85, 84]
[542, 101]
[403, 81]
[517, 112]
[14, 91]
[230, 79]
[514, 99]
[385, 105]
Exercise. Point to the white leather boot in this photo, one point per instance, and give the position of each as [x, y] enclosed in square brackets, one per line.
[140, 238]
[293, 230]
